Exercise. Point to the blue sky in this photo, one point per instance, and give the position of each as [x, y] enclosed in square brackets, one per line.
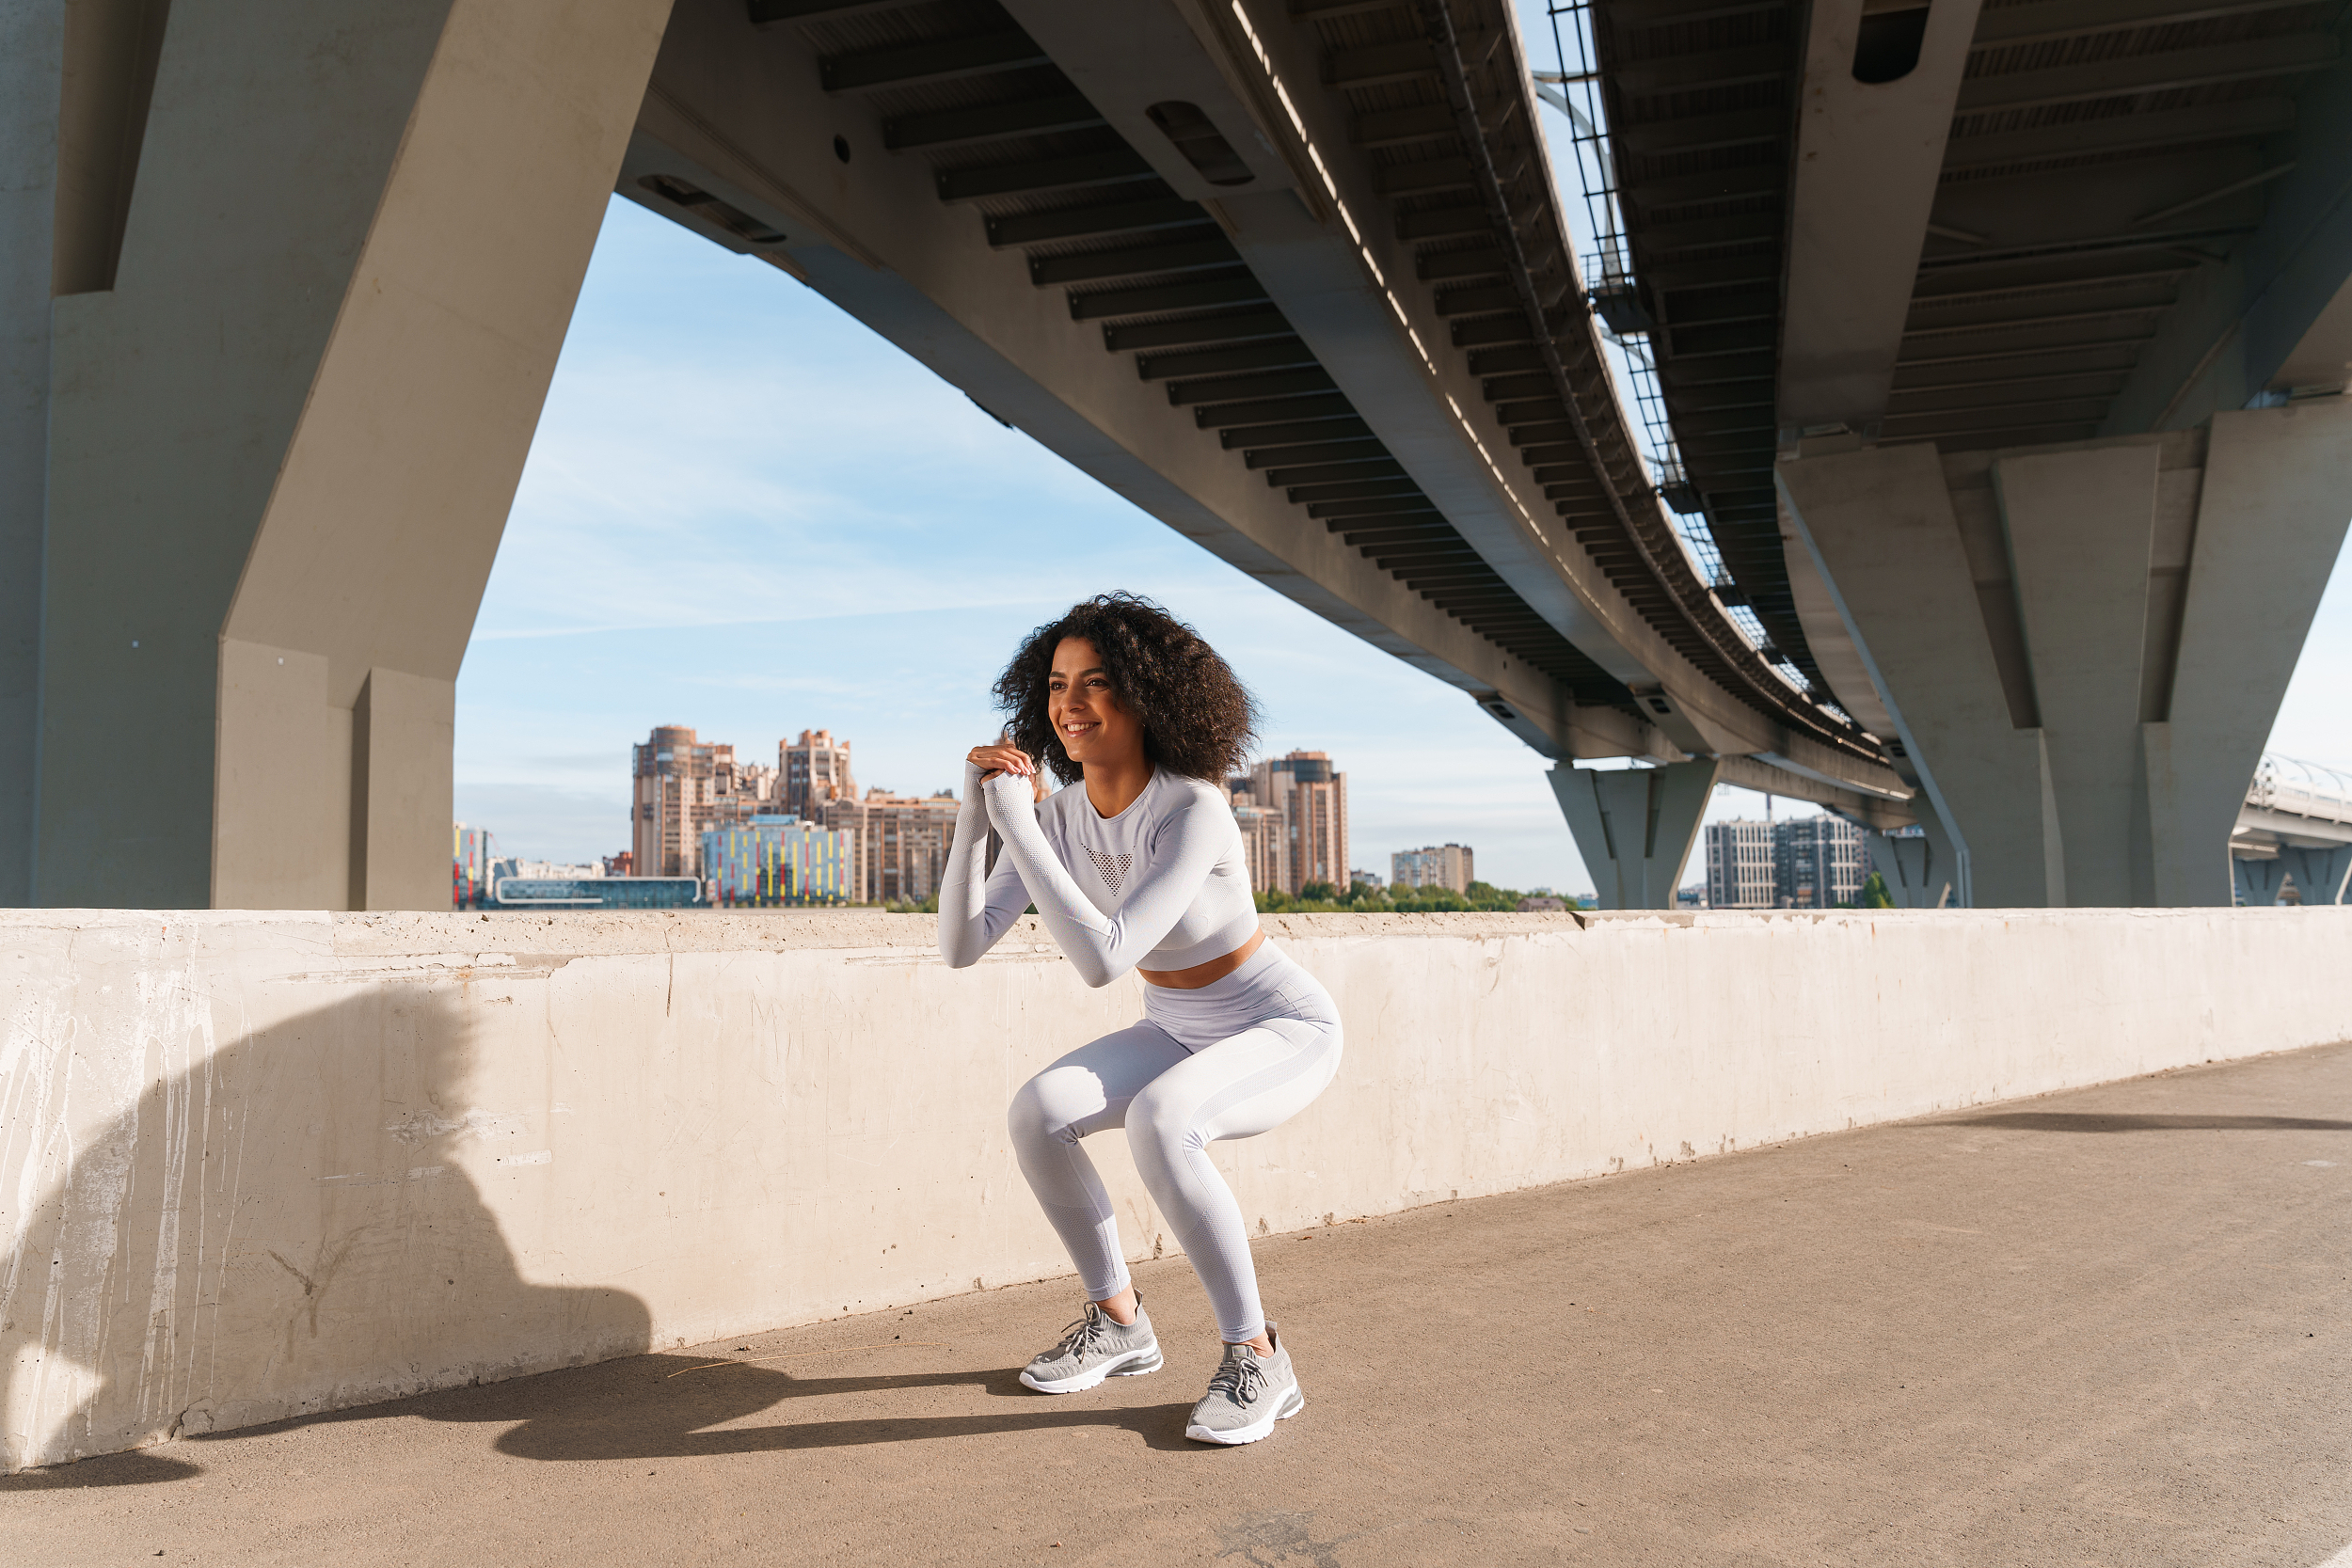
[745, 513]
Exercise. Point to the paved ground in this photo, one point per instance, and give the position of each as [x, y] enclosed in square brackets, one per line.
[2104, 1327]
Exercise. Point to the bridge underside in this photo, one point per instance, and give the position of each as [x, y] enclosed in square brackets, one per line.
[1299, 287]
[1294, 280]
[2086, 262]
[2045, 228]
[1083, 218]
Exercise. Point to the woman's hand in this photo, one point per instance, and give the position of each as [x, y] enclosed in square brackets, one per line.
[1010, 798]
[1001, 758]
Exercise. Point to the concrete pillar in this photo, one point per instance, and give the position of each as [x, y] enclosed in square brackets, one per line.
[2082, 647]
[284, 422]
[1635, 826]
[2257, 881]
[2270, 522]
[2079, 524]
[1879, 524]
[32, 83]
[2320, 874]
[1917, 869]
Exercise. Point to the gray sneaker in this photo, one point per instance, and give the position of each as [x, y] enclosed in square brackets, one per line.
[1093, 1348]
[1246, 1396]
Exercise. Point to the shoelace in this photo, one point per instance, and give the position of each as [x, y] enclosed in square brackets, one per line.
[1079, 1336]
[1240, 1379]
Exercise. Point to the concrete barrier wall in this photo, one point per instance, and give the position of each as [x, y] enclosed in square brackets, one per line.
[263, 1165]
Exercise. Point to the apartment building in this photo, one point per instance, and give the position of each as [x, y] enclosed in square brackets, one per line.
[1802, 862]
[815, 773]
[1819, 862]
[901, 843]
[1740, 865]
[1447, 865]
[1312, 797]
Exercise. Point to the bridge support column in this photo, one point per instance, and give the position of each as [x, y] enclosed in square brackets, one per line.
[305, 312]
[2083, 647]
[1635, 826]
[2320, 874]
[2257, 881]
[1916, 869]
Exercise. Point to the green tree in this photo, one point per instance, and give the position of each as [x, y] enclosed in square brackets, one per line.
[1874, 894]
[1485, 895]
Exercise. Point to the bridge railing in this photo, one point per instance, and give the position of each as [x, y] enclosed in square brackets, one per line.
[1573, 88]
[2300, 789]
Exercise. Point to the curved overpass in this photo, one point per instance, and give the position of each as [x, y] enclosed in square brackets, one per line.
[2005, 374]
[1302, 289]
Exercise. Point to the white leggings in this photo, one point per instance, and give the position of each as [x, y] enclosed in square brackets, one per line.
[1230, 1060]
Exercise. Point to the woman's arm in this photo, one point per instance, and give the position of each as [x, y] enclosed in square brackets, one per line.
[1105, 946]
[975, 909]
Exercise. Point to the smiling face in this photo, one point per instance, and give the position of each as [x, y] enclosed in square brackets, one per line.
[1093, 724]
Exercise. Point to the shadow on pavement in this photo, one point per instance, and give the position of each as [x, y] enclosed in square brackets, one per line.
[663, 1410]
[139, 1467]
[2066, 1121]
[667, 1406]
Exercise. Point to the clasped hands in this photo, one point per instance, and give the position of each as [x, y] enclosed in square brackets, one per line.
[999, 766]
[1000, 758]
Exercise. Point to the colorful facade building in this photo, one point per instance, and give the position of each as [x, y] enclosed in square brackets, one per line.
[469, 881]
[778, 862]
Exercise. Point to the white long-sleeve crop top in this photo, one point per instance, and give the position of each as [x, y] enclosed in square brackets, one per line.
[1162, 885]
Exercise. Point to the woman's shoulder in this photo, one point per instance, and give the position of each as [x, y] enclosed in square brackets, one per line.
[1187, 794]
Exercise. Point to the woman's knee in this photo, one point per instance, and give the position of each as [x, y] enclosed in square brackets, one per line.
[1161, 1122]
[1050, 1106]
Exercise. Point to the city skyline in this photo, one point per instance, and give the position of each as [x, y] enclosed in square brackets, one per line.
[685, 788]
[791, 574]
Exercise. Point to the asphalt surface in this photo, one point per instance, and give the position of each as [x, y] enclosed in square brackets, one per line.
[2110, 1326]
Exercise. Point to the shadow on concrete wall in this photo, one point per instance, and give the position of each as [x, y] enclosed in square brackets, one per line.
[275, 1229]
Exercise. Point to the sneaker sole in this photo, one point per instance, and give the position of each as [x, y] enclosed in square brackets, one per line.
[1292, 1402]
[1135, 1364]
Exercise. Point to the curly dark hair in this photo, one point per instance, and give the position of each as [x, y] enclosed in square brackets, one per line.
[1197, 717]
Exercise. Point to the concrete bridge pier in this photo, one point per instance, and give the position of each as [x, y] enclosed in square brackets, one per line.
[1916, 869]
[2258, 882]
[1635, 826]
[2320, 873]
[2080, 648]
[282, 288]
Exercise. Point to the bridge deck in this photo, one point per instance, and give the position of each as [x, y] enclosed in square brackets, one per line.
[2107, 1326]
